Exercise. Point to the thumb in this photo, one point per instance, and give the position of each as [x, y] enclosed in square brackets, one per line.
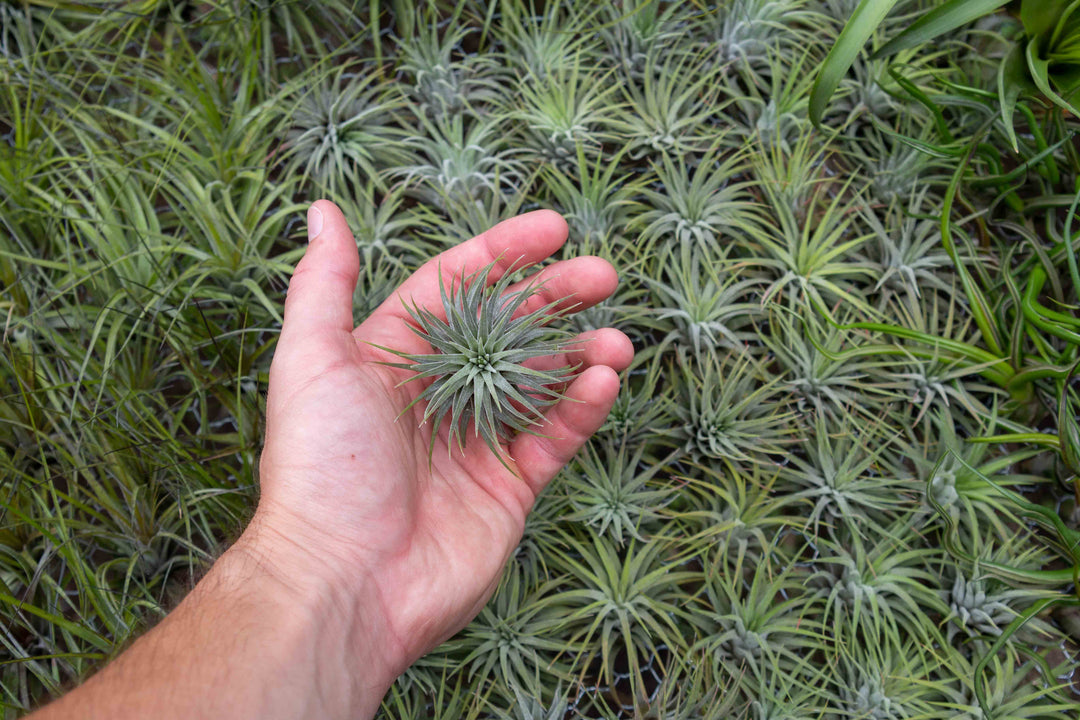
[319, 303]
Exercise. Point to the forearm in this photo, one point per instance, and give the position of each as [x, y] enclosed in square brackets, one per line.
[246, 643]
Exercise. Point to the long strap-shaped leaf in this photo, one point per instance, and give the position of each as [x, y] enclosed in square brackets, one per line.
[939, 21]
[867, 16]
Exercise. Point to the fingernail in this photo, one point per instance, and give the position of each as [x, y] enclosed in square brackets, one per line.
[314, 223]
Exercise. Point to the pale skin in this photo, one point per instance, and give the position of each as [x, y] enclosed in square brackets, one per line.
[361, 557]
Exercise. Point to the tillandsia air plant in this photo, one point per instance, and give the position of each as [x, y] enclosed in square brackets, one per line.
[479, 371]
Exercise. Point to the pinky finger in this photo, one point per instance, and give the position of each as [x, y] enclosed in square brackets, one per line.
[571, 422]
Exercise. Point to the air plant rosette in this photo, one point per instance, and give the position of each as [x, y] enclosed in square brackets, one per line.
[479, 369]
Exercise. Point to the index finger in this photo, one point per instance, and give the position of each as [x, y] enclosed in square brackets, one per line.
[515, 243]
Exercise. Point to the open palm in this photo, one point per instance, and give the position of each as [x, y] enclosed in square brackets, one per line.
[347, 490]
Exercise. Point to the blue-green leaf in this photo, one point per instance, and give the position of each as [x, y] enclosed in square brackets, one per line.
[1040, 16]
[1040, 74]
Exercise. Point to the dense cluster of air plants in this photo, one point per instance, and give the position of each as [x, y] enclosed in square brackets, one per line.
[841, 479]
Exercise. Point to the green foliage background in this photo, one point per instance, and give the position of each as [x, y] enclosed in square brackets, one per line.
[841, 479]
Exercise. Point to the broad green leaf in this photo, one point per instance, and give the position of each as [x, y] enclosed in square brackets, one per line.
[1040, 73]
[866, 18]
[1063, 42]
[939, 21]
[1040, 16]
[1067, 81]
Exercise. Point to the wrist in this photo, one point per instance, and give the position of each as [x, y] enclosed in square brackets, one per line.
[342, 623]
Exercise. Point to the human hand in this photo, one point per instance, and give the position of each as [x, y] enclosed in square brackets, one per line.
[349, 501]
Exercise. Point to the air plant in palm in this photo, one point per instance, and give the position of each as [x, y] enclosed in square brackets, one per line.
[344, 129]
[149, 217]
[478, 370]
[730, 410]
[702, 306]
